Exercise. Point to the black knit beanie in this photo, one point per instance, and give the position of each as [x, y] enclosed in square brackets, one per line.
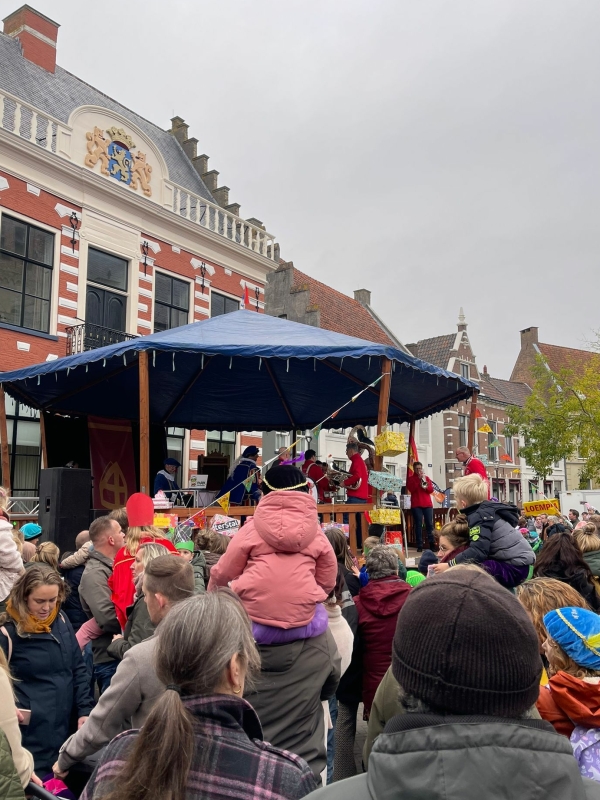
[427, 559]
[465, 645]
[287, 478]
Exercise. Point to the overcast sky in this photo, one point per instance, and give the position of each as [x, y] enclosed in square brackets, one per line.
[441, 153]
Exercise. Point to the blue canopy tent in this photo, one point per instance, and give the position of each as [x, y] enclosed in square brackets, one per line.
[239, 371]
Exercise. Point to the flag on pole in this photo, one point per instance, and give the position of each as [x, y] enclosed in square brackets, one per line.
[224, 502]
[413, 453]
[245, 302]
[316, 431]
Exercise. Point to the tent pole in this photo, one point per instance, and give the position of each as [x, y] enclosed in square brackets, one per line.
[43, 440]
[144, 423]
[472, 418]
[383, 411]
[4, 443]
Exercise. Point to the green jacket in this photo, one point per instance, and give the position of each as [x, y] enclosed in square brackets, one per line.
[10, 785]
[593, 561]
[467, 758]
[199, 565]
[138, 628]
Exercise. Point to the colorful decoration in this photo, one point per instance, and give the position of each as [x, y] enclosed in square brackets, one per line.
[478, 414]
[386, 516]
[385, 481]
[224, 502]
[316, 431]
[389, 443]
[495, 443]
[485, 429]
[117, 159]
[516, 471]
[505, 457]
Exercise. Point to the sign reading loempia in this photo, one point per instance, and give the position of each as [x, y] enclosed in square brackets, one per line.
[535, 507]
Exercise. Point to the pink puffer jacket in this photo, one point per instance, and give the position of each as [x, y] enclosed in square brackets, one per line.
[280, 563]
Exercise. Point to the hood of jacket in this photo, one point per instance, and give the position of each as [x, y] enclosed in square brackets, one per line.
[384, 597]
[287, 521]
[577, 698]
[103, 561]
[469, 758]
[506, 511]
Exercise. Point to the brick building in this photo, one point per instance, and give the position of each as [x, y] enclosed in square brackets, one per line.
[293, 295]
[110, 227]
[511, 479]
[557, 358]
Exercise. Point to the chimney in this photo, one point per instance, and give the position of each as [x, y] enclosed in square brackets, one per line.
[179, 129]
[529, 336]
[363, 296]
[485, 372]
[37, 35]
[462, 324]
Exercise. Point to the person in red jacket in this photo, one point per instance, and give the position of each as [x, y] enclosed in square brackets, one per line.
[317, 475]
[472, 465]
[357, 485]
[378, 605]
[421, 489]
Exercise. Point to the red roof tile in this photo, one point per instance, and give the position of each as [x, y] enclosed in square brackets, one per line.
[565, 357]
[340, 313]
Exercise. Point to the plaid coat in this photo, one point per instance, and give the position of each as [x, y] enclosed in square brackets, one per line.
[230, 762]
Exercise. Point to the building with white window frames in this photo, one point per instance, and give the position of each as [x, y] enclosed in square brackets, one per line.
[110, 227]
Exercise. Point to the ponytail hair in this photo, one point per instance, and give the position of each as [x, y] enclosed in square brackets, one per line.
[586, 538]
[456, 531]
[197, 640]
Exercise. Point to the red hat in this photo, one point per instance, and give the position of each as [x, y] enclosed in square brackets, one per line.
[140, 510]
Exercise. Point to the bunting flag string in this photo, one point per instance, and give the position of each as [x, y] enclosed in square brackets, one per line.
[225, 499]
[224, 502]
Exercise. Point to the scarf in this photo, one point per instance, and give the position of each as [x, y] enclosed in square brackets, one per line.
[32, 624]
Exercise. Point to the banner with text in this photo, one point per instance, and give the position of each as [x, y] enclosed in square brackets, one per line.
[535, 507]
[111, 457]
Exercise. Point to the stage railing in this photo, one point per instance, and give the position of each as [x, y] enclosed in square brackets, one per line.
[329, 512]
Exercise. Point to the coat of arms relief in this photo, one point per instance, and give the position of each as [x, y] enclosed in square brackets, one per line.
[114, 150]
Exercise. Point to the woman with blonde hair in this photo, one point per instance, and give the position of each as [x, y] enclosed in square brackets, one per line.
[588, 541]
[51, 679]
[201, 739]
[47, 553]
[140, 516]
[541, 595]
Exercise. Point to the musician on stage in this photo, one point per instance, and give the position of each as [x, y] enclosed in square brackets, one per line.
[357, 485]
[421, 489]
[316, 473]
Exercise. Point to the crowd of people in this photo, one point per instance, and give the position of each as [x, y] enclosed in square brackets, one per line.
[239, 661]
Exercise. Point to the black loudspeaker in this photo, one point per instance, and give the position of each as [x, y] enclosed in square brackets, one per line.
[65, 501]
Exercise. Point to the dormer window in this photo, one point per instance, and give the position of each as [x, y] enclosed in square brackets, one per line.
[465, 371]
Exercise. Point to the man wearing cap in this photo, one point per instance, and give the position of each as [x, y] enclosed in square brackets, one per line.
[165, 478]
[466, 658]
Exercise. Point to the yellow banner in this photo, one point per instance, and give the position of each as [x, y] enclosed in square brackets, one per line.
[535, 507]
[165, 520]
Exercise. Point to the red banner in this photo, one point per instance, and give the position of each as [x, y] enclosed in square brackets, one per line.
[111, 457]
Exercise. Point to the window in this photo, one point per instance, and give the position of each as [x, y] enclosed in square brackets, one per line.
[499, 488]
[26, 260]
[222, 443]
[492, 451]
[23, 429]
[508, 446]
[175, 442]
[219, 304]
[171, 302]
[465, 371]
[423, 431]
[106, 269]
[105, 308]
[463, 430]
[391, 468]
